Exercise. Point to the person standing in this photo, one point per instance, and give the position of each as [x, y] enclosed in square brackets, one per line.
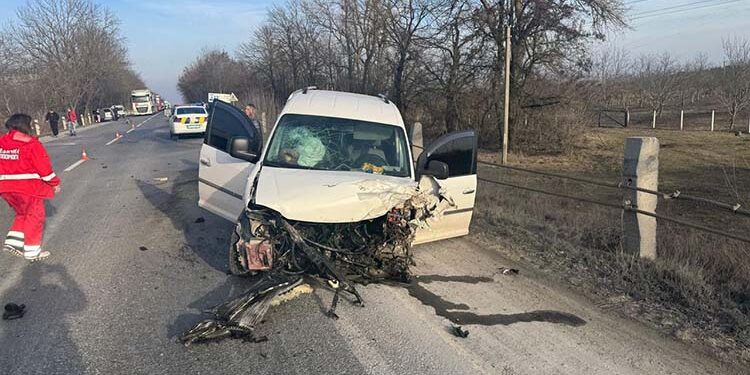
[53, 119]
[72, 118]
[250, 111]
[26, 180]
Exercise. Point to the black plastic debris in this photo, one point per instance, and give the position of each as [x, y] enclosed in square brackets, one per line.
[508, 271]
[239, 317]
[200, 220]
[14, 311]
[459, 332]
[143, 248]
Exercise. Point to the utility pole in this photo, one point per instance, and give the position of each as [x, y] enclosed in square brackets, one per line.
[506, 108]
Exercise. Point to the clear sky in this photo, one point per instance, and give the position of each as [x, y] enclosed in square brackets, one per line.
[165, 35]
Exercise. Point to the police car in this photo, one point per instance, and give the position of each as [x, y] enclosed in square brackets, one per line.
[188, 119]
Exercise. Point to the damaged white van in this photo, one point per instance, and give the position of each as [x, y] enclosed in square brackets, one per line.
[337, 167]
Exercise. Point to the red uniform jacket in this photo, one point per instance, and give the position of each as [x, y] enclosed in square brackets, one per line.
[72, 116]
[25, 167]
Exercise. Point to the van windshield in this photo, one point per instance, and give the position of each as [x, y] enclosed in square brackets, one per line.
[328, 143]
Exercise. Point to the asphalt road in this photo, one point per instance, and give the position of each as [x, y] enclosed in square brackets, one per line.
[132, 267]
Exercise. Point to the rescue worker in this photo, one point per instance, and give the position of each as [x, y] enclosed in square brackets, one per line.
[26, 180]
[72, 117]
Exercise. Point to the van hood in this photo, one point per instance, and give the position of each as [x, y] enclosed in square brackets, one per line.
[330, 196]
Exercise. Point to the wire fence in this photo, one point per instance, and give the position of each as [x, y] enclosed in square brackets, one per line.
[626, 206]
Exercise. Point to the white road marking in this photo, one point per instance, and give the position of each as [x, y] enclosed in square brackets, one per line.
[130, 130]
[113, 141]
[144, 121]
[68, 169]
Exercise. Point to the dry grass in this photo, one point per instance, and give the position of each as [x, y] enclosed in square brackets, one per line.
[698, 289]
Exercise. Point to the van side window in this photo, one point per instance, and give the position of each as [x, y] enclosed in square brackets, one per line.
[458, 154]
[222, 127]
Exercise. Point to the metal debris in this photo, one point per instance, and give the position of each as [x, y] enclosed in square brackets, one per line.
[278, 253]
[14, 311]
[508, 271]
[459, 332]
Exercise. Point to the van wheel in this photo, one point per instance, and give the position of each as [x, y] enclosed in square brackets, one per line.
[235, 264]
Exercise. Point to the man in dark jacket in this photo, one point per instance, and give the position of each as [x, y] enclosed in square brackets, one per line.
[54, 121]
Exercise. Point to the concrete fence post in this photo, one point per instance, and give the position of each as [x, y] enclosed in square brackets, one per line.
[640, 169]
[713, 117]
[417, 140]
[653, 123]
[36, 128]
[682, 118]
[91, 121]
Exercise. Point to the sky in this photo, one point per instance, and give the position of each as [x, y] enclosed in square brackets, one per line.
[164, 36]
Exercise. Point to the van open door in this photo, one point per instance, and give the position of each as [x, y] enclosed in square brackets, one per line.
[459, 152]
[230, 149]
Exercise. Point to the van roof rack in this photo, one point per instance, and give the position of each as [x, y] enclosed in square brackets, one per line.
[304, 91]
[385, 98]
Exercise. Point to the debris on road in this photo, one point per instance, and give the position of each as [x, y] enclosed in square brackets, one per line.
[200, 220]
[278, 253]
[459, 332]
[143, 248]
[161, 179]
[508, 271]
[14, 311]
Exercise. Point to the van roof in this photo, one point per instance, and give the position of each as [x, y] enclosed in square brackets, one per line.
[343, 105]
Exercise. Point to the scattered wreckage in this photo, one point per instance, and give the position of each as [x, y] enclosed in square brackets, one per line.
[279, 253]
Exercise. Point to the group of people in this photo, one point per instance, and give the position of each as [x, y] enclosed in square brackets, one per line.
[53, 119]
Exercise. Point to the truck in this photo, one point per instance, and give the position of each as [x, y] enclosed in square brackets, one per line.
[332, 159]
[142, 102]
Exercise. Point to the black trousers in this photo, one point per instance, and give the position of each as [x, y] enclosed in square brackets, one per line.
[55, 129]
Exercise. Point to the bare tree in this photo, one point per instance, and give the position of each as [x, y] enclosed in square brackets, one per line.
[659, 78]
[733, 79]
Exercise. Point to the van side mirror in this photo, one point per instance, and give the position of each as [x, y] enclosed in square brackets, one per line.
[435, 168]
[239, 148]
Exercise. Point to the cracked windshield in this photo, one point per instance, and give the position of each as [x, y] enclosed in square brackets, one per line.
[327, 143]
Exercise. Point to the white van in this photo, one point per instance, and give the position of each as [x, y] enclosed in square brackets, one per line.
[324, 144]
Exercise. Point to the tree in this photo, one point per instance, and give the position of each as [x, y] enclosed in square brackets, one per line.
[546, 35]
[733, 79]
[658, 76]
[212, 71]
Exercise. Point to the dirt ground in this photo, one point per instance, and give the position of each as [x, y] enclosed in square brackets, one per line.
[699, 288]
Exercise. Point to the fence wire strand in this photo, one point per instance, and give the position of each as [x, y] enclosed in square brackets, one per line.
[734, 208]
[625, 207]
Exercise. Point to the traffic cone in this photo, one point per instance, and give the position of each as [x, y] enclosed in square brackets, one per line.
[84, 156]
[117, 135]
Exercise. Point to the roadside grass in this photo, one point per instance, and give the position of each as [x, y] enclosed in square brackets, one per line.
[699, 287]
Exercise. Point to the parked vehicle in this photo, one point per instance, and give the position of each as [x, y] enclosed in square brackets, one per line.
[188, 120]
[106, 114]
[119, 110]
[331, 157]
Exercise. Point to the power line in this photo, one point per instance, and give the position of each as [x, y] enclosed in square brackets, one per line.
[670, 12]
[675, 7]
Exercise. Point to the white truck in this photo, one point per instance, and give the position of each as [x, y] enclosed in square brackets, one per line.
[142, 102]
[332, 157]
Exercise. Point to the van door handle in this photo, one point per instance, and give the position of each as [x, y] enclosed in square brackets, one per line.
[206, 162]
[469, 191]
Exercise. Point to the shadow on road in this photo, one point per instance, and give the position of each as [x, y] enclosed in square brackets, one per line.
[206, 235]
[41, 341]
[447, 309]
